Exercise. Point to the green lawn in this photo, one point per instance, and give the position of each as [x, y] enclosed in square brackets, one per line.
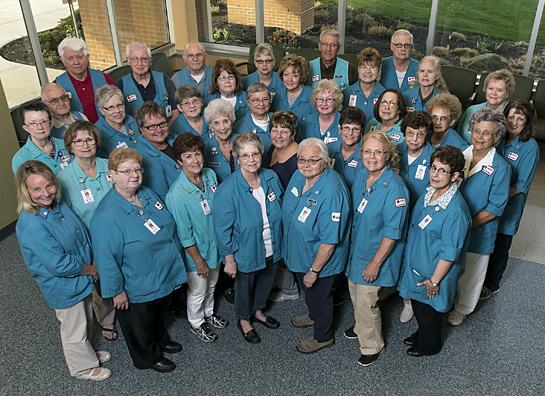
[502, 19]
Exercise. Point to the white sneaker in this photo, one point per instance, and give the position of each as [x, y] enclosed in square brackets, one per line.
[486, 293]
[407, 313]
[455, 318]
[96, 374]
[280, 296]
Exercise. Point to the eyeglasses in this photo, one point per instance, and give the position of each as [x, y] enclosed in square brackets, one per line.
[327, 100]
[377, 153]
[368, 67]
[280, 131]
[63, 98]
[192, 102]
[347, 128]
[128, 172]
[484, 133]
[230, 77]
[120, 106]
[311, 161]
[153, 127]
[35, 125]
[246, 157]
[292, 75]
[440, 119]
[195, 56]
[399, 45]
[260, 62]
[411, 134]
[332, 45]
[384, 103]
[257, 100]
[137, 59]
[88, 141]
[441, 171]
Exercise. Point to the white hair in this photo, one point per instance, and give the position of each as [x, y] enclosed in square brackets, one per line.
[194, 42]
[315, 142]
[49, 85]
[74, 44]
[135, 45]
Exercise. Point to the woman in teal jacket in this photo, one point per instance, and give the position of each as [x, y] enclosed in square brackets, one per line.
[139, 260]
[57, 251]
[248, 228]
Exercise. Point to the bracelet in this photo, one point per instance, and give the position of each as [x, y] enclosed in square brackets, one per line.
[316, 272]
[433, 283]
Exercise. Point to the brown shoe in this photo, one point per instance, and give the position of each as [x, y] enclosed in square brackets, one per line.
[302, 321]
[311, 345]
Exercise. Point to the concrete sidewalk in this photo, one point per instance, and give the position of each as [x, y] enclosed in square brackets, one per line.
[21, 81]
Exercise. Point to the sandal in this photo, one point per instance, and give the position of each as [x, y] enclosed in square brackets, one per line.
[113, 332]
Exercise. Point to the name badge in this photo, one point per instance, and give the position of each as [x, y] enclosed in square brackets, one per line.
[109, 178]
[315, 78]
[151, 226]
[395, 137]
[336, 216]
[131, 98]
[63, 165]
[512, 156]
[409, 109]
[401, 202]
[159, 205]
[211, 134]
[424, 223]
[353, 164]
[213, 187]
[205, 207]
[352, 101]
[304, 215]
[168, 111]
[420, 172]
[411, 79]
[271, 196]
[329, 139]
[87, 196]
[65, 158]
[362, 205]
[294, 191]
[488, 170]
[121, 145]
[375, 101]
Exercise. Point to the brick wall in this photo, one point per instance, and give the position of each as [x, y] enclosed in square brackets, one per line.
[297, 16]
[137, 20]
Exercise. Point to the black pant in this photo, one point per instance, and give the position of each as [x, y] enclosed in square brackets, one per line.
[427, 339]
[143, 326]
[498, 262]
[320, 305]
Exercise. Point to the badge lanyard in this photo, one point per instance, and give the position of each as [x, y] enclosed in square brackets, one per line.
[86, 193]
[365, 200]
[150, 225]
[426, 220]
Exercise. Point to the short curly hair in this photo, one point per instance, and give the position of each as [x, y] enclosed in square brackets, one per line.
[187, 142]
[501, 75]
[229, 66]
[488, 115]
[451, 156]
[446, 102]
[298, 64]
[328, 86]
[370, 55]
[417, 120]
[382, 137]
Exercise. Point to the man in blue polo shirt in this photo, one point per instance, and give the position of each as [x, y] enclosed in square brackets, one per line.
[57, 101]
[196, 73]
[399, 70]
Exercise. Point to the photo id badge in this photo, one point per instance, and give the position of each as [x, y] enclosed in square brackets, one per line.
[205, 207]
[87, 196]
[424, 223]
[420, 172]
[150, 225]
[352, 101]
[168, 111]
[304, 215]
[362, 206]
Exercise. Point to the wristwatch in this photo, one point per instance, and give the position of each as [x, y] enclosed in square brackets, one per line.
[433, 283]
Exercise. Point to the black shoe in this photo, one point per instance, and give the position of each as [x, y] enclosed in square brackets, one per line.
[407, 341]
[164, 366]
[338, 300]
[172, 347]
[179, 312]
[229, 295]
[270, 322]
[367, 360]
[350, 333]
[412, 352]
[251, 336]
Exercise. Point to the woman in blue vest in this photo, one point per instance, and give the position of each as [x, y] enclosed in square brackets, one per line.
[327, 99]
[295, 94]
[487, 178]
[57, 251]
[227, 84]
[435, 250]
[264, 62]
[521, 151]
[84, 183]
[380, 203]
[248, 228]
[365, 92]
[389, 112]
[138, 257]
[190, 104]
[117, 128]
[430, 84]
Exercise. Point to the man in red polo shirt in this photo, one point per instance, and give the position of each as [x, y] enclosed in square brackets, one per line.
[79, 79]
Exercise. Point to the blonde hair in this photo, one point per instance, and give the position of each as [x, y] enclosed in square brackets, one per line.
[122, 154]
[33, 167]
[328, 86]
[384, 139]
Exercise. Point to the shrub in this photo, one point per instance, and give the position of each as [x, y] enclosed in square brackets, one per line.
[222, 36]
[363, 19]
[214, 9]
[321, 14]
[326, 26]
[404, 25]
[457, 36]
[283, 38]
[50, 39]
[379, 30]
[325, 3]
[441, 52]
[465, 52]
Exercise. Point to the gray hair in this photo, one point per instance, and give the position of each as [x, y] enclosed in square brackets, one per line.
[105, 93]
[194, 42]
[74, 44]
[328, 86]
[217, 108]
[402, 32]
[257, 87]
[488, 115]
[136, 45]
[247, 138]
[186, 92]
[331, 32]
[315, 142]
[47, 86]
[264, 49]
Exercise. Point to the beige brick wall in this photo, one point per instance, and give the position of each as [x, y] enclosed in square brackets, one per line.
[137, 20]
[297, 16]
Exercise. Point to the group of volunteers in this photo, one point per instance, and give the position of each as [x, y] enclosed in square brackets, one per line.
[320, 178]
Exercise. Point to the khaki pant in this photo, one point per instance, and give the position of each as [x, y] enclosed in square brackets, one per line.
[367, 315]
[471, 282]
[103, 307]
